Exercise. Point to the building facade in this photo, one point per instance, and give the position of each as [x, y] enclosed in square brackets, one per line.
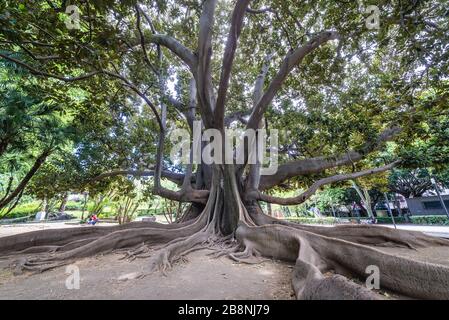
[423, 206]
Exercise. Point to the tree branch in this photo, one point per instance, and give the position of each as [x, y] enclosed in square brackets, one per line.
[139, 93]
[316, 185]
[228, 59]
[171, 176]
[236, 116]
[184, 195]
[290, 61]
[253, 179]
[187, 193]
[48, 75]
[177, 104]
[142, 42]
[37, 164]
[204, 76]
[187, 56]
[258, 86]
[318, 164]
[259, 11]
[38, 58]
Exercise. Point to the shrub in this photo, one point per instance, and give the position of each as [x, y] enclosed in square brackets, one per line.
[425, 220]
[388, 220]
[306, 220]
[74, 205]
[430, 220]
[145, 212]
[23, 210]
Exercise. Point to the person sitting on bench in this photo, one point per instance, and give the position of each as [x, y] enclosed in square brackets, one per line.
[93, 219]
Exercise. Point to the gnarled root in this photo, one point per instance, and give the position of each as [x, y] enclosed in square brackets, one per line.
[141, 251]
[82, 248]
[316, 254]
[309, 284]
[104, 240]
[177, 250]
[362, 234]
[248, 256]
[59, 238]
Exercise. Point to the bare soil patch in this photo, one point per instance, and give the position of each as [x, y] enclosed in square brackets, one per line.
[202, 277]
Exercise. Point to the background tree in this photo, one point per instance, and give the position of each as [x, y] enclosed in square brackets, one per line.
[33, 126]
[410, 183]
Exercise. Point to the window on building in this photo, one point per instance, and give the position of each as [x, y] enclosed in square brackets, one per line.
[432, 205]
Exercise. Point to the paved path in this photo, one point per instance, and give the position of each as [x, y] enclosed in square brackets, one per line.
[437, 231]
[11, 229]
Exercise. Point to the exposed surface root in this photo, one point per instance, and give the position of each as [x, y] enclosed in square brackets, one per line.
[315, 254]
[323, 264]
[362, 234]
[164, 258]
[142, 251]
[87, 241]
[88, 247]
[61, 237]
[248, 256]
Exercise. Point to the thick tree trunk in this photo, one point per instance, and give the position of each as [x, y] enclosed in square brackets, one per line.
[233, 206]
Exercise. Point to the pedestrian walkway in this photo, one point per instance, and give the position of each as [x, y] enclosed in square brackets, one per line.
[437, 231]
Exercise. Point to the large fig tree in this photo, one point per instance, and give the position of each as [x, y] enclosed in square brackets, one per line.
[341, 77]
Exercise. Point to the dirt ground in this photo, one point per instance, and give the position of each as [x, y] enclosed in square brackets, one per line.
[202, 277]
